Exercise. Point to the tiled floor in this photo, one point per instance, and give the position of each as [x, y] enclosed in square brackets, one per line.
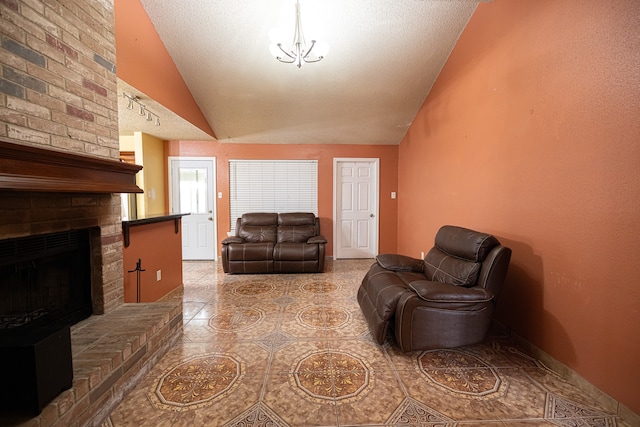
[293, 350]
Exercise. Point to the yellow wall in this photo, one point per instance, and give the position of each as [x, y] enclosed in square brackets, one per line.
[127, 143]
[149, 153]
[154, 174]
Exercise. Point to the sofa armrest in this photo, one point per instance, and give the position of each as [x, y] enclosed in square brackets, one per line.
[232, 239]
[446, 293]
[395, 262]
[317, 239]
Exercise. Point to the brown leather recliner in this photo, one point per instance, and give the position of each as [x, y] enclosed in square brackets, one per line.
[443, 301]
[275, 243]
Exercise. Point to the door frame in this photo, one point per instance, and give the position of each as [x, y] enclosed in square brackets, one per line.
[376, 201]
[214, 202]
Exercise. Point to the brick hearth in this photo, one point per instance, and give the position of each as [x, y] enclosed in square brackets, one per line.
[111, 353]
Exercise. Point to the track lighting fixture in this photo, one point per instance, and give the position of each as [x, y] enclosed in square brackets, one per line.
[143, 110]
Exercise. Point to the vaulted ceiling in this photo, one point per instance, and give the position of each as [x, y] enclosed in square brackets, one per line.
[383, 58]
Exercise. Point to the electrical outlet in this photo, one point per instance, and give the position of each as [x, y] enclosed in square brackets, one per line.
[158, 275]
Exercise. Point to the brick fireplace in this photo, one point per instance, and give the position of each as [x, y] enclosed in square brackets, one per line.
[58, 91]
[60, 171]
[30, 212]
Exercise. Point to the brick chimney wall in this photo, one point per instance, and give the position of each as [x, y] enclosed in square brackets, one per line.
[58, 89]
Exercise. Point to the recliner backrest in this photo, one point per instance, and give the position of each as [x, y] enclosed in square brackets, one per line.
[258, 227]
[296, 218]
[297, 227]
[458, 256]
[259, 218]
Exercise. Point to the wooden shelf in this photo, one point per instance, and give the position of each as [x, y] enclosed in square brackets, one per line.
[30, 168]
[151, 219]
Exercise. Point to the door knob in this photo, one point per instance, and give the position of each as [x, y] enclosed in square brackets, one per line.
[371, 215]
[210, 218]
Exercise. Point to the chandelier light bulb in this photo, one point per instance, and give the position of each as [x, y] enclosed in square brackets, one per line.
[299, 51]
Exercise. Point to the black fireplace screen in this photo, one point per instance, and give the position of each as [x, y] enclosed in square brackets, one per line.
[45, 280]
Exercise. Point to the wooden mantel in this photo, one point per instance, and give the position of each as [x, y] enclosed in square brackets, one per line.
[31, 168]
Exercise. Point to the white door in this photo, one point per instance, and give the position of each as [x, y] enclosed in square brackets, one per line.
[355, 208]
[192, 189]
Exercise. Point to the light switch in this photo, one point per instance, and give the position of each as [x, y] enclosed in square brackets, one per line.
[393, 194]
[219, 194]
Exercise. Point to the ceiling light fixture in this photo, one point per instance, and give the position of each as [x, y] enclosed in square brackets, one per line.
[143, 111]
[299, 52]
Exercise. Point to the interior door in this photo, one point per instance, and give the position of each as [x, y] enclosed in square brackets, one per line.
[192, 190]
[356, 208]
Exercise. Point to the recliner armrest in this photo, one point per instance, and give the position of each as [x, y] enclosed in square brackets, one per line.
[395, 262]
[317, 239]
[232, 239]
[446, 293]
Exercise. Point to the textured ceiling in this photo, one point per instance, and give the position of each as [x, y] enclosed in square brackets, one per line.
[384, 57]
[172, 126]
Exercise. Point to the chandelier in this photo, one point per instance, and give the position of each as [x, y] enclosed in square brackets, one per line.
[299, 51]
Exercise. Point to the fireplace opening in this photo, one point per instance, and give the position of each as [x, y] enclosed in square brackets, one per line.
[45, 281]
[45, 287]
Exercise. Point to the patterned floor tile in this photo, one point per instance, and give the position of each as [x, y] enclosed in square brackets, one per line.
[412, 413]
[294, 407]
[295, 350]
[258, 415]
[565, 412]
[197, 381]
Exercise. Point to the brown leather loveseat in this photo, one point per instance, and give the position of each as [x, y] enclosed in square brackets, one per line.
[445, 300]
[275, 243]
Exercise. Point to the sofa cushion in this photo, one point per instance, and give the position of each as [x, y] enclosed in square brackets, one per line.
[250, 251]
[258, 233]
[296, 218]
[260, 218]
[295, 234]
[442, 267]
[295, 252]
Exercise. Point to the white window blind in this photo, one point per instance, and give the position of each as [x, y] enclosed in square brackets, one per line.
[272, 186]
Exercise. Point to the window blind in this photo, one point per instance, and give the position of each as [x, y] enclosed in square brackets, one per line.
[272, 186]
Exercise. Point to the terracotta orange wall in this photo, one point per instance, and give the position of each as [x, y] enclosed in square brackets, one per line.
[223, 152]
[159, 247]
[532, 132]
[144, 63]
